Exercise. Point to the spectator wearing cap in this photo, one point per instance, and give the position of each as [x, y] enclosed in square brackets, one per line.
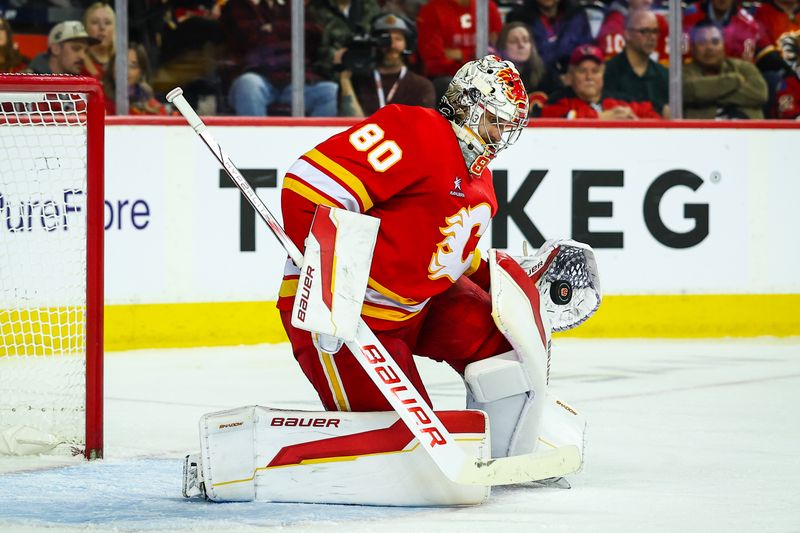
[391, 81]
[633, 71]
[717, 86]
[585, 97]
[67, 45]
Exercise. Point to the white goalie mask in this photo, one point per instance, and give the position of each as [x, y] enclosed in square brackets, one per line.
[485, 95]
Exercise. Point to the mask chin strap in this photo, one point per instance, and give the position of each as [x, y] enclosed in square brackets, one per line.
[476, 153]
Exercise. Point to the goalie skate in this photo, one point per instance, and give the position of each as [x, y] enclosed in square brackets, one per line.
[193, 477]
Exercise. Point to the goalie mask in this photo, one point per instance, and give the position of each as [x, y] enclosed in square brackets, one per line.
[487, 104]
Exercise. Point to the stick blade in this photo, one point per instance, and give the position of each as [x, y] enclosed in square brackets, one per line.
[522, 468]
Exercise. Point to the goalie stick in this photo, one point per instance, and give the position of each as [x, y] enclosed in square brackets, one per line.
[398, 390]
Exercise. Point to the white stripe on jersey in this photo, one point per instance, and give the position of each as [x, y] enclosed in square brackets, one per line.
[321, 181]
[374, 297]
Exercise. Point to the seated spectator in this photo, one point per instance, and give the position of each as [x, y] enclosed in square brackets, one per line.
[141, 99]
[188, 54]
[340, 20]
[447, 37]
[742, 34]
[717, 86]
[786, 103]
[99, 21]
[585, 96]
[515, 44]
[558, 27]
[258, 33]
[67, 44]
[10, 58]
[633, 72]
[390, 82]
[611, 38]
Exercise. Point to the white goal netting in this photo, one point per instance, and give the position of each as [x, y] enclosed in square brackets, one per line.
[43, 243]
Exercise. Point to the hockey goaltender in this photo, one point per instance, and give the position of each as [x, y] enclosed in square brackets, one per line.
[389, 214]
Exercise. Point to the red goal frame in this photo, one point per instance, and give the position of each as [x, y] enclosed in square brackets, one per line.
[95, 126]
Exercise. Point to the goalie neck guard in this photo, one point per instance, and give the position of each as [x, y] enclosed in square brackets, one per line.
[487, 105]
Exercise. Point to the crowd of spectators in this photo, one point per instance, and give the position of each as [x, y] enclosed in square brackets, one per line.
[605, 59]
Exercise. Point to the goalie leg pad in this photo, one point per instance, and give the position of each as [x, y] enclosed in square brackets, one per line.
[561, 425]
[500, 386]
[257, 453]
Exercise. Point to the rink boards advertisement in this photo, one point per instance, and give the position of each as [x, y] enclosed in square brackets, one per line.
[694, 229]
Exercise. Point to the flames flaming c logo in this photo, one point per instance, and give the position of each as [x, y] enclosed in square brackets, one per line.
[513, 88]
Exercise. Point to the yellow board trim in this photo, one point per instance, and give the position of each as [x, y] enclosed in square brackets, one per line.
[184, 325]
[129, 327]
[693, 316]
[343, 174]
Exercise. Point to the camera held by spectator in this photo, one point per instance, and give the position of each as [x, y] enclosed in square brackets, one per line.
[362, 51]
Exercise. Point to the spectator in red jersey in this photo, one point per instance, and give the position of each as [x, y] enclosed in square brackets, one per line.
[258, 33]
[10, 58]
[558, 26]
[585, 97]
[778, 17]
[515, 44]
[141, 98]
[390, 81]
[99, 21]
[633, 72]
[716, 86]
[67, 45]
[611, 37]
[743, 36]
[447, 37]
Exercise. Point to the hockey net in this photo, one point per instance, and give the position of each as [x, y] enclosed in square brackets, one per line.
[51, 269]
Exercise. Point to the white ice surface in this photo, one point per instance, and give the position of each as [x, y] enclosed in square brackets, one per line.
[683, 436]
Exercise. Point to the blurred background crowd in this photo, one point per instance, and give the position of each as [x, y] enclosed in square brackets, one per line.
[578, 59]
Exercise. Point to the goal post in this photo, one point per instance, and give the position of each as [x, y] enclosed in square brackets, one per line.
[51, 265]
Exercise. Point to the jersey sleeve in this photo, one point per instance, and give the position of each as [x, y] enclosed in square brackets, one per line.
[357, 169]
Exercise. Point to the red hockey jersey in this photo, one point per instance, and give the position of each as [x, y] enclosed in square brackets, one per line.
[776, 22]
[611, 37]
[445, 24]
[404, 166]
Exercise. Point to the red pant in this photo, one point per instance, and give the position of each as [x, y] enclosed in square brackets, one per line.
[455, 327]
